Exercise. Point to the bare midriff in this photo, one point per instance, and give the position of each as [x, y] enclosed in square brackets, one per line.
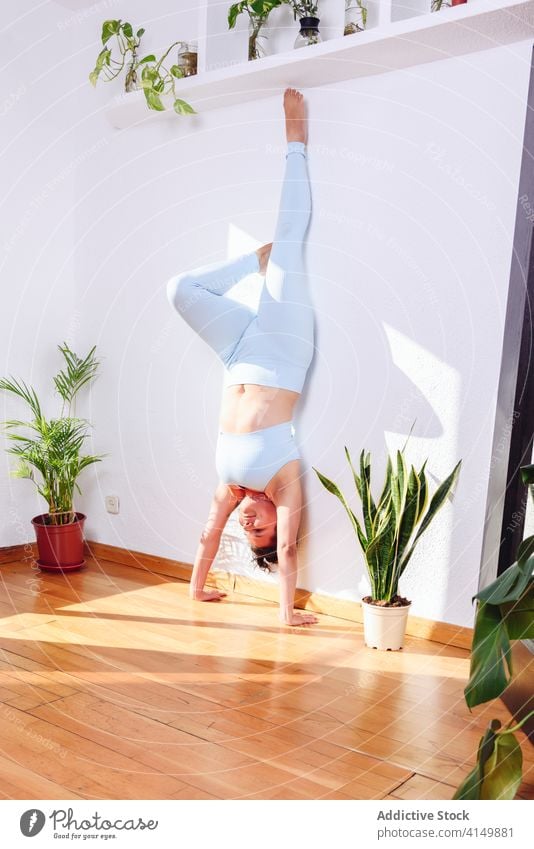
[249, 406]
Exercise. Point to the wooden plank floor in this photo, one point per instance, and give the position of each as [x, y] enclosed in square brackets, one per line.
[114, 685]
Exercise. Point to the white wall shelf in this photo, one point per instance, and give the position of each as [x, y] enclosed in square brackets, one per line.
[453, 31]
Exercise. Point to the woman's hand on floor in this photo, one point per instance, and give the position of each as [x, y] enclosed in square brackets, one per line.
[207, 595]
[301, 619]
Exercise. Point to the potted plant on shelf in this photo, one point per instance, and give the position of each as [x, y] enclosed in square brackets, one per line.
[436, 5]
[128, 45]
[157, 81]
[355, 17]
[386, 539]
[258, 12]
[53, 448]
[505, 612]
[307, 11]
[188, 58]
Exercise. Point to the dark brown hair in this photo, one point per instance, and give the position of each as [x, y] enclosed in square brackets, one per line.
[265, 556]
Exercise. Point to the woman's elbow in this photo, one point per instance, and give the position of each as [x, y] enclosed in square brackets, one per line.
[287, 550]
[210, 536]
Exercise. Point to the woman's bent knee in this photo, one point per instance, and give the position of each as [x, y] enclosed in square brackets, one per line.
[179, 290]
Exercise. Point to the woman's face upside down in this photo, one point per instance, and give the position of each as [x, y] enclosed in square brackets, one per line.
[257, 517]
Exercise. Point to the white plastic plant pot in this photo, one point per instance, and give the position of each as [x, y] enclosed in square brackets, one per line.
[384, 627]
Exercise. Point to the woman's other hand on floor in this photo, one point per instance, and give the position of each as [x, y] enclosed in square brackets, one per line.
[207, 595]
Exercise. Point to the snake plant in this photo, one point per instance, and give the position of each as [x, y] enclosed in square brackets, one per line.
[53, 447]
[389, 525]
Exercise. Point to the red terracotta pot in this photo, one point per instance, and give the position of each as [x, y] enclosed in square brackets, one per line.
[60, 546]
[457, 2]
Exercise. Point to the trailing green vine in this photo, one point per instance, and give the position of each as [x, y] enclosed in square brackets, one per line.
[127, 44]
[156, 79]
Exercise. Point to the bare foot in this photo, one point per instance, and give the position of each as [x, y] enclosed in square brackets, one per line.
[301, 619]
[295, 109]
[207, 595]
[263, 257]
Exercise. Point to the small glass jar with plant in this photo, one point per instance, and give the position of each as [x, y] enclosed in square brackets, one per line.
[188, 58]
[149, 73]
[355, 17]
[159, 81]
[436, 5]
[307, 12]
[127, 46]
[258, 12]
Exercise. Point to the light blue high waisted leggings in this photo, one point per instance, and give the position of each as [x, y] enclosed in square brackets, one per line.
[271, 347]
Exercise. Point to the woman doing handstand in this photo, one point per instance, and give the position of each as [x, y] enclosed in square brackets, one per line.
[266, 355]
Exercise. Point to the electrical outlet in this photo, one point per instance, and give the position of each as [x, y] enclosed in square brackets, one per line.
[112, 503]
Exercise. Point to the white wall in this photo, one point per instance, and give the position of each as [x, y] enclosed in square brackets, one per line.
[414, 181]
[38, 161]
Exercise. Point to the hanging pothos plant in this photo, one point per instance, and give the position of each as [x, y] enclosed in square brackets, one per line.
[156, 79]
[127, 44]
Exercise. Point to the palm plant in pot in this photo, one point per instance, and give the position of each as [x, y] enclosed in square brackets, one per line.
[53, 448]
[387, 539]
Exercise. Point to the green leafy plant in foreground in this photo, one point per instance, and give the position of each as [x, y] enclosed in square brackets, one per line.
[505, 612]
[387, 537]
[53, 447]
[499, 769]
